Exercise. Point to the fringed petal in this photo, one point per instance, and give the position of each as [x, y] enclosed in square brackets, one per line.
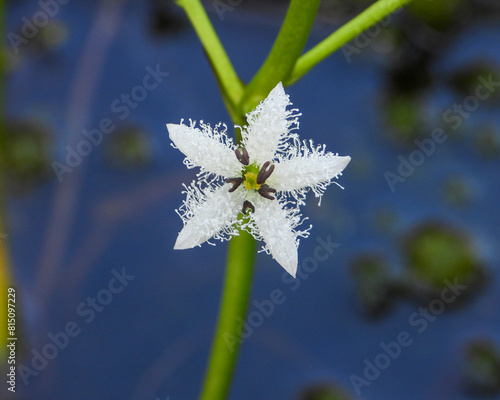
[270, 127]
[208, 213]
[208, 148]
[307, 167]
[275, 222]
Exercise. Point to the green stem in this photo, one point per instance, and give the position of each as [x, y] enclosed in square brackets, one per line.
[231, 85]
[233, 309]
[344, 34]
[284, 53]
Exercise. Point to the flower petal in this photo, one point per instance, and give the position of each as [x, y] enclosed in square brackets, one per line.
[275, 226]
[208, 213]
[315, 169]
[269, 126]
[207, 148]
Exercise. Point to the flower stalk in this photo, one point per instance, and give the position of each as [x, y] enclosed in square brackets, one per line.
[371, 16]
[230, 84]
[285, 51]
[233, 308]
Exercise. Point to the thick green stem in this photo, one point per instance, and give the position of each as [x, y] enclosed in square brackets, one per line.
[233, 310]
[284, 53]
[229, 82]
[344, 34]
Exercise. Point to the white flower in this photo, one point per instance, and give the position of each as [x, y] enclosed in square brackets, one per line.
[266, 179]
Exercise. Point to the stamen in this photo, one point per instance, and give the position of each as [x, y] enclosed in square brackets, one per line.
[247, 206]
[242, 156]
[265, 190]
[264, 172]
[236, 183]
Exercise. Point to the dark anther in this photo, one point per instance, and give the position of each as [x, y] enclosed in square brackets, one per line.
[236, 183]
[264, 172]
[247, 206]
[265, 190]
[242, 156]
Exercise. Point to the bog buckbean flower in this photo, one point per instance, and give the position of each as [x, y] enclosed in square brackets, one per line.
[257, 186]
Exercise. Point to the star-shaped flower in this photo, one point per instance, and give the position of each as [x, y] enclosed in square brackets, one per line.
[257, 186]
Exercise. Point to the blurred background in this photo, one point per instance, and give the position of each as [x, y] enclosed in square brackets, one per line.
[402, 299]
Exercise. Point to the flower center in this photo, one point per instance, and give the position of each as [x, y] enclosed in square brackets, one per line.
[251, 181]
[252, 178]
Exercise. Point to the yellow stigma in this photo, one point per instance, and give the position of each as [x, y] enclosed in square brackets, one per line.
[251, 181]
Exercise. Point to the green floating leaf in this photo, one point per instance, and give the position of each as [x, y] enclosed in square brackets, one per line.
[437, 253]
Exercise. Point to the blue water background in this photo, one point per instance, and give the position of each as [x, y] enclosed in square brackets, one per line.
[152, 341]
